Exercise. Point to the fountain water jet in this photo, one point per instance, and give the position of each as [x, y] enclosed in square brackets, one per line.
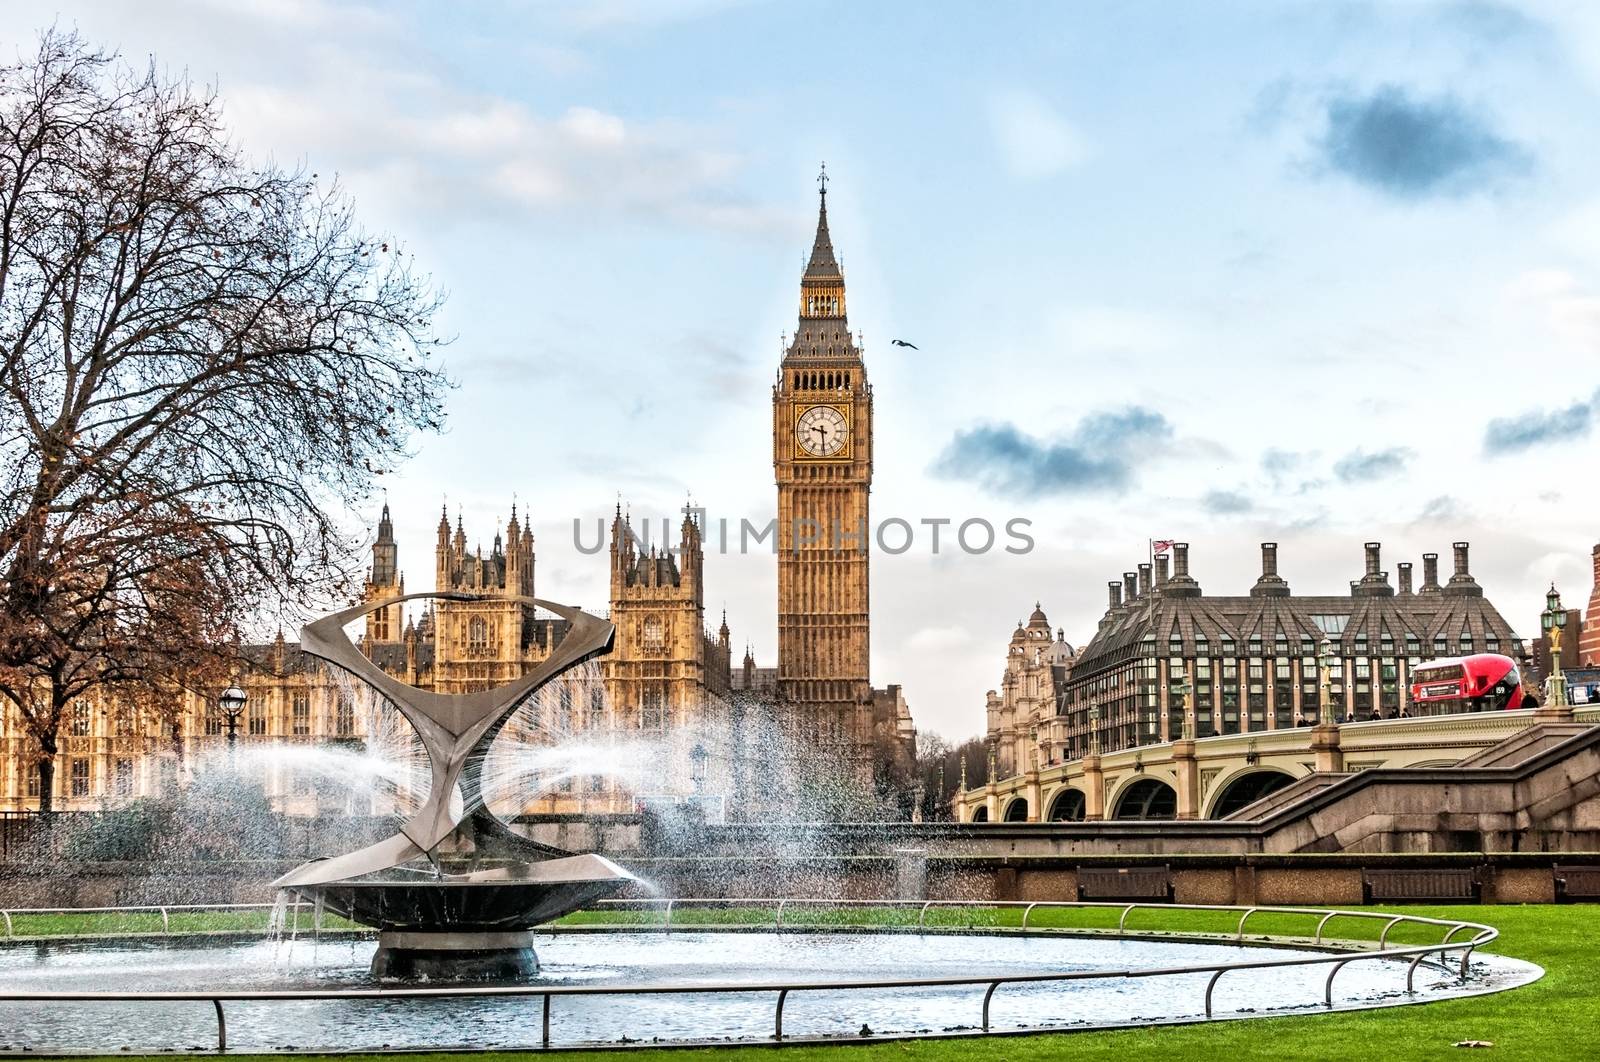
[455, 892]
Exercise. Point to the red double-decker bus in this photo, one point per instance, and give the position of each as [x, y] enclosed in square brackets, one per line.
[1483, 682]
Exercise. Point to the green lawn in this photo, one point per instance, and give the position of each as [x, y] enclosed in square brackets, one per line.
[1556, 1018]
[115, 923]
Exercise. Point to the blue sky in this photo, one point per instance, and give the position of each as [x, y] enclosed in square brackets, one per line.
[1316, 273]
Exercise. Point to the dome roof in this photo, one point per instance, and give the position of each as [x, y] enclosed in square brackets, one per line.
[1017, 635]
[1038, 619]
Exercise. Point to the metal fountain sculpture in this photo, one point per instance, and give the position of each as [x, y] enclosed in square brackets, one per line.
[456, 891]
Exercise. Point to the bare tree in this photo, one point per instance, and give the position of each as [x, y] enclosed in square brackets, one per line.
[205, 364]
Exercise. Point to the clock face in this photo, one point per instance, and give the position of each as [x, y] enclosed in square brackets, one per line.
[821, 431]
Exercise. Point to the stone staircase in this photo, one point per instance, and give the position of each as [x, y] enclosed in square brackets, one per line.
[1293, 793]
[1524, 746]
[1537, 790]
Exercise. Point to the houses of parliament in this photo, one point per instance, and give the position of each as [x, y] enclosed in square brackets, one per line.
[814, 719]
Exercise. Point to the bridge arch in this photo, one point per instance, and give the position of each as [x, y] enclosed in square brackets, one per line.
[980, 814]
[1017, 810]
[1146, 798]
[1068, 805]
[1246, 788]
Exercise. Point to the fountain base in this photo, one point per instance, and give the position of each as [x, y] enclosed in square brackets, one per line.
[412, 955]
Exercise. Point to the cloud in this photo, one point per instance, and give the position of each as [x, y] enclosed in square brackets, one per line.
[1359, 466]
[1280, 464]
[1034, 140]
[1442, 510]
[1537, 427]
[363, 91]
[1100, 453]
[1226, 503]
[1413, 148]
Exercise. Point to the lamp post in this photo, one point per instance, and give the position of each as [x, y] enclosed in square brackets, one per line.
[1554, 620]
[1325, 681]
[231, 703]
[1186, 691]
[697, 767]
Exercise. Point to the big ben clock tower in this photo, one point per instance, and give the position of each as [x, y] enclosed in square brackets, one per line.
[822, 459]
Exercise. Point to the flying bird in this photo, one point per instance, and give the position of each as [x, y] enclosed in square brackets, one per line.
[903, 343]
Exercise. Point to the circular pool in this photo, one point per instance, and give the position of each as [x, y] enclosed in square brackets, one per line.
[617, 986]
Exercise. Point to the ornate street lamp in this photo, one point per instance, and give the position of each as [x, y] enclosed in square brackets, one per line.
[697, 766]
[1554, 620]
[1186, 691]
[231, 704]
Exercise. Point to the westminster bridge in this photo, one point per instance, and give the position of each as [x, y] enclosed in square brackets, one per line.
[1216, 777]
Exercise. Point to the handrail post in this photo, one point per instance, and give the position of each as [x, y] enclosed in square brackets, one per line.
[777, 1026]
[1122, 922]
[986, 997]
[222, 1027]
[668, 922]
[922, 915]
[1327, 988]
[166, 923]
[1411, 972]
[1210, 985]
[9, 932]
[1322, 923]
[544, 1036]
[780, 913]
[1465, 957]
[1383, 938]
[1247, 914]
[1026, 911]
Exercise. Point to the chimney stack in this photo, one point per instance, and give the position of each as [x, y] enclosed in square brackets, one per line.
[1375, 583]
[1270, 584]
[1181, 584]
[1405, 578]
[1161, 570]
[1130, 587]
[1430, 573]
[1113, 595]
[1462, 584]
[1144, 580]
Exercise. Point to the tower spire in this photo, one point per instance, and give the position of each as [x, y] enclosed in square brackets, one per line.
[823, 263]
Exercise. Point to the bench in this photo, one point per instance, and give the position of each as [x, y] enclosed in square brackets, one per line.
[1576, 883]
[1125, 883]
[1421, 886]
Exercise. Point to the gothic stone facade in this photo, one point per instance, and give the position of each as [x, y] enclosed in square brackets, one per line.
[666, 672]
[822, 460]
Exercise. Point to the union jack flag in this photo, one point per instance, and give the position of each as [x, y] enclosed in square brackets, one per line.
[1160, 545]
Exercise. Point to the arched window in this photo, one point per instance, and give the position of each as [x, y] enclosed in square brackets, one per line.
[652, 711]
[1068, 806]
[477, 634]
[1247, 789]
[1148, 799]
[654, 638]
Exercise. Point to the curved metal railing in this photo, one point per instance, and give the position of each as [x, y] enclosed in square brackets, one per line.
[1339, 955]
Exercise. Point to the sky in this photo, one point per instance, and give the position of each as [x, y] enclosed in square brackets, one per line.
[1313, 273]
